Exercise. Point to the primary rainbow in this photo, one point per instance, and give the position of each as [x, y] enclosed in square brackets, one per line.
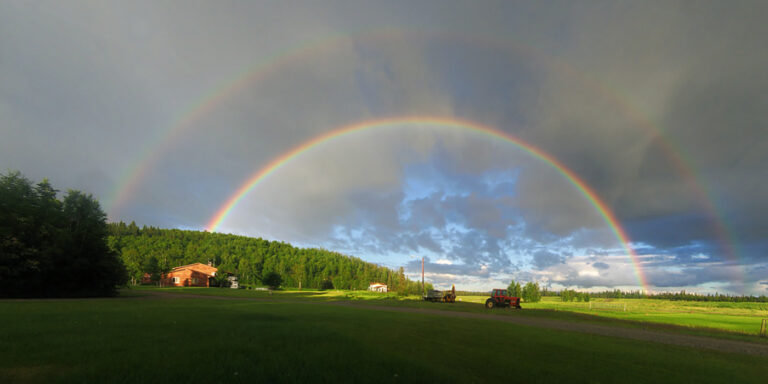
[586, 191]
[131, 178]
[129, 181]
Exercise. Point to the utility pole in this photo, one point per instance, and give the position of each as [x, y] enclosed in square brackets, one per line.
[423, 291]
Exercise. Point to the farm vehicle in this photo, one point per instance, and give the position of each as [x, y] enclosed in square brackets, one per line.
[441, 296]
[500, 299]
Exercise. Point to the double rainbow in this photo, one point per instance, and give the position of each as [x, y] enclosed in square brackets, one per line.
[136, 172]
[130, 180]
[420, 121]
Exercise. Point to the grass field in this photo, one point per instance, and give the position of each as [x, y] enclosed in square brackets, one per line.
[735, 317]
[698, 317]
[295, 338]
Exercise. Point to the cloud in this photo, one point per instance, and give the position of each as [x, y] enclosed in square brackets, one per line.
[600, 265]
[89, 89]
[544, 259]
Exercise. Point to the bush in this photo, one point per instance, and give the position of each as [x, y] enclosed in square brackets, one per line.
[272, 280]
[326, 284]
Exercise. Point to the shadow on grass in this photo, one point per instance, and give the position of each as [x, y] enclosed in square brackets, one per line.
[373, 299]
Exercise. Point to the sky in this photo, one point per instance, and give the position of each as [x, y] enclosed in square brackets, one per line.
[163, 110]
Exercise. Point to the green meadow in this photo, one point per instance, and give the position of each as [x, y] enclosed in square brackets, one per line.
[744, 318]
[723, 319]
[295, 336]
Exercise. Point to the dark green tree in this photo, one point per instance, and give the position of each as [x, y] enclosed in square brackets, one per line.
[30, 229]
[272, 280]
[53, 248]
[326, 284]
[151, 267]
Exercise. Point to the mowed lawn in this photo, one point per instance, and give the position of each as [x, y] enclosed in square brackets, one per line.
[152, 340]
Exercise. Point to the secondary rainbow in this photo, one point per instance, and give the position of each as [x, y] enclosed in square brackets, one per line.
[417, 121]
[131, 178]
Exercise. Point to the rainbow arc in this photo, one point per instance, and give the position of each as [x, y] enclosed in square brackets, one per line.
[420, 121]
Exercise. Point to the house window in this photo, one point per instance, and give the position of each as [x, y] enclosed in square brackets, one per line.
[176, 280]
[194, 280]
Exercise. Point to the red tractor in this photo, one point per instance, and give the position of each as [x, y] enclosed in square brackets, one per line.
[499, 298]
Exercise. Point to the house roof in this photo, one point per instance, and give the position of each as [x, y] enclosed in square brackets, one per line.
[199, 267]
[377, 285]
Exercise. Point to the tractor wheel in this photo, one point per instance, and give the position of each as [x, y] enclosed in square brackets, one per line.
[489, 303]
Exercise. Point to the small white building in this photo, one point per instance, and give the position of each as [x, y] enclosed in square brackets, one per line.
[377, 287]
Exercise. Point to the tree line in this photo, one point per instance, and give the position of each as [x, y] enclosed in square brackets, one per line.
[572, 295]
[680, 296]
[251, 259]
[51, 247]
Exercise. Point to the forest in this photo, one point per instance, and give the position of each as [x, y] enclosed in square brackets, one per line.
[249, 258]
[51, 247]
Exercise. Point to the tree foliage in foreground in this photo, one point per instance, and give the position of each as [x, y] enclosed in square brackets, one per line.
[51, 247]
[251, 259]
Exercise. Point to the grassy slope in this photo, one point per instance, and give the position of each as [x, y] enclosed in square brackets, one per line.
[196, 339]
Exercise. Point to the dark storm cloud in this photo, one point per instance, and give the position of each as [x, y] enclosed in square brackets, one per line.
[690, 276]
[712, 116]
[87, 88]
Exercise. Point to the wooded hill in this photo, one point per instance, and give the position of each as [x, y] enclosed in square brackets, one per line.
[249, 258]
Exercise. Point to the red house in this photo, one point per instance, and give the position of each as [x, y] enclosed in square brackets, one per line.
[190, 275]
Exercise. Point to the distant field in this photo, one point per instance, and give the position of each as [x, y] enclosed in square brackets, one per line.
[735, 317]
[293, 337]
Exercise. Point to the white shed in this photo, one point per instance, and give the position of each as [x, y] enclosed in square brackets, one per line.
[377, 287]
